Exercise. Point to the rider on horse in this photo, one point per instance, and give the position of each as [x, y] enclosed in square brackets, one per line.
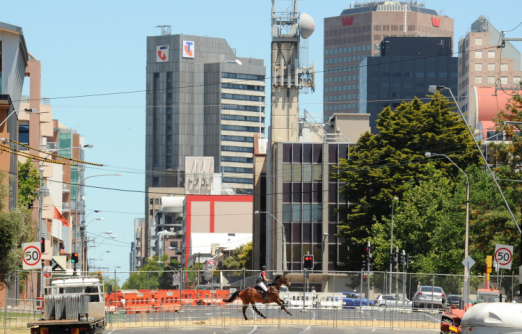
[261, 282]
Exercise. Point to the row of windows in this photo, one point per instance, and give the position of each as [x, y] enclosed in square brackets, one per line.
[242, 97]
[237, 159]
[344, 59]
[302, 212]
[342, 69]
[243, 108]
[344, 78]
[240, 128]
[237, 180]
[238, 138]
[491, 80]
[479, 53]
[170, 88]
[243, 76]
[238, 170]
[237, 149]
[344, 106]
[330, 89]
[243, 87]
[504, 67]
[345, 97]
[242, 118]
[349, 49]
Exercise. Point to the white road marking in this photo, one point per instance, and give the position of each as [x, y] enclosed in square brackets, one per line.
[253, 330]
[306, 330]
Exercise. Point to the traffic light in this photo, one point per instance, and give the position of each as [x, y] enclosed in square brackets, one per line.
[42, 245]
[364, 265]
[408, 261]
[308, 262]
[74, 258]
[394, 258]
[401, 259]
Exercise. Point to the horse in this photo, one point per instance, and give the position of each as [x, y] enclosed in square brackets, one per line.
[250, 296]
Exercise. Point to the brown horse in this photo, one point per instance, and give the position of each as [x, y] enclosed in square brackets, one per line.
[250, 296]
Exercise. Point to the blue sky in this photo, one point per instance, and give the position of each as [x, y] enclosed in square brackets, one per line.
[99, 47]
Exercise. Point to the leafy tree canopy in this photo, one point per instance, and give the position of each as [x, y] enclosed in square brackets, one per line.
[28, 183]
[156, 274]
[382, 164]
[241, 258]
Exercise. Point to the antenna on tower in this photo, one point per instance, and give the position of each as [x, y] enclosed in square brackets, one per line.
[165, 30]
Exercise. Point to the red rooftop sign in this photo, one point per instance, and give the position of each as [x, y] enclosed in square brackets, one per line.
[347, 21]
[435, 21]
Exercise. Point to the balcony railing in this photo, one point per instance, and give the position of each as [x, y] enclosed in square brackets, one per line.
[66, 188]
[66, 207]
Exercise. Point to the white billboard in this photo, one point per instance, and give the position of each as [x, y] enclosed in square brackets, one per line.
[162, 53]
[188, 49]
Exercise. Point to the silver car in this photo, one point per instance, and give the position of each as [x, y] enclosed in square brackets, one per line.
[392, 301]
[429, 297]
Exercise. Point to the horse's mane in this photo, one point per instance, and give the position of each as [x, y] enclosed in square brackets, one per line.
[277, 277]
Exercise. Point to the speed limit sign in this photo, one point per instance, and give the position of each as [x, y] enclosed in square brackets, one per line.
[503, 256]
[176, 279]
[32, 256]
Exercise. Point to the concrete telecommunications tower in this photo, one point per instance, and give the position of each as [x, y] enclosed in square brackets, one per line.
[287, 78]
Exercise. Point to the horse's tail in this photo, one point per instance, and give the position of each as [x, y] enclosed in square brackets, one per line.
[232, 298]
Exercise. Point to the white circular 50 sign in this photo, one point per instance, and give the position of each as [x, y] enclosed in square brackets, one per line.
[503, 256]
[32, 255]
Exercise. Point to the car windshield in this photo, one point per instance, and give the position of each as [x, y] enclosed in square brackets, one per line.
[429, 289]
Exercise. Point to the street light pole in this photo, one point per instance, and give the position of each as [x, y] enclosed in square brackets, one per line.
[391, 244]
[283, 239]
[76, 225]
[466, 240]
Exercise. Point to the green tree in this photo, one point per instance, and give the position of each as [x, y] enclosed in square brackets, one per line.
[107, 280]
[16, 227]
[241, 258]
[381, 164]
[154, 275]
[28, 183]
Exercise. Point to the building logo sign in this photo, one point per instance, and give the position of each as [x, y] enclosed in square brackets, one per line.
[435, 21]
[347, 21]
[162, 53]
[188, 49]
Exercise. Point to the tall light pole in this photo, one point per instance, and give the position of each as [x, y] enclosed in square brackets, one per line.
[283, 239]
[466, 240]
[434, 89]
[76, 226]
[391, 244]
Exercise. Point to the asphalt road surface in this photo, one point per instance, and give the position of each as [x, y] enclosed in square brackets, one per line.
[270, 330]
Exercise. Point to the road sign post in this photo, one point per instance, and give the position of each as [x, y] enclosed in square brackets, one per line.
[468, 264]
[32, 256]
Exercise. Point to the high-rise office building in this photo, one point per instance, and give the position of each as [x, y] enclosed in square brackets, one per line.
[357, 33]
[202, 100]
[407, 67]
[482, 64]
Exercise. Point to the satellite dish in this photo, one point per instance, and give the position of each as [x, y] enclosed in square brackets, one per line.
[306, 25]
[238, 62]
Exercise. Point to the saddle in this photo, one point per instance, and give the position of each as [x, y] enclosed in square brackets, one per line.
[269, 287]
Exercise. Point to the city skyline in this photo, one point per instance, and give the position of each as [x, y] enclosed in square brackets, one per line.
[108, 58]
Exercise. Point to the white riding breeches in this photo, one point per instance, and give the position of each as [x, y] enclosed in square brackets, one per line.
[262, 286]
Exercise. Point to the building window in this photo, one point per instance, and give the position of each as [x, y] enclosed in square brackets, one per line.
[491, 54]
[237, 180]
[241, 128]
[478, 80]
[242, 97]
[242, 118]
[244, 108]
[237, 159]
[504, 67]
[237, 149]
[238, 139]
[242, 87]
[491, 67]
[23, 132]
[516, 80]
[504, 80]
[243, 76]
[238, 170]
[478, 54]
[478, 41]
[491, 80]
[174, 244]
[478, 66]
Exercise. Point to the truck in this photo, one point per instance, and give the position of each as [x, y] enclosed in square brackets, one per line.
[74, 305]
[488, 316]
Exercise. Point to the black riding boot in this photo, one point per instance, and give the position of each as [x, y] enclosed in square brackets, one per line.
[265, 294]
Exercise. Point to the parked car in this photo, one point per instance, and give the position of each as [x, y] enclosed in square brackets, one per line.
[454, 300]
[352, 299]
[429, 297]
[392, 301]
